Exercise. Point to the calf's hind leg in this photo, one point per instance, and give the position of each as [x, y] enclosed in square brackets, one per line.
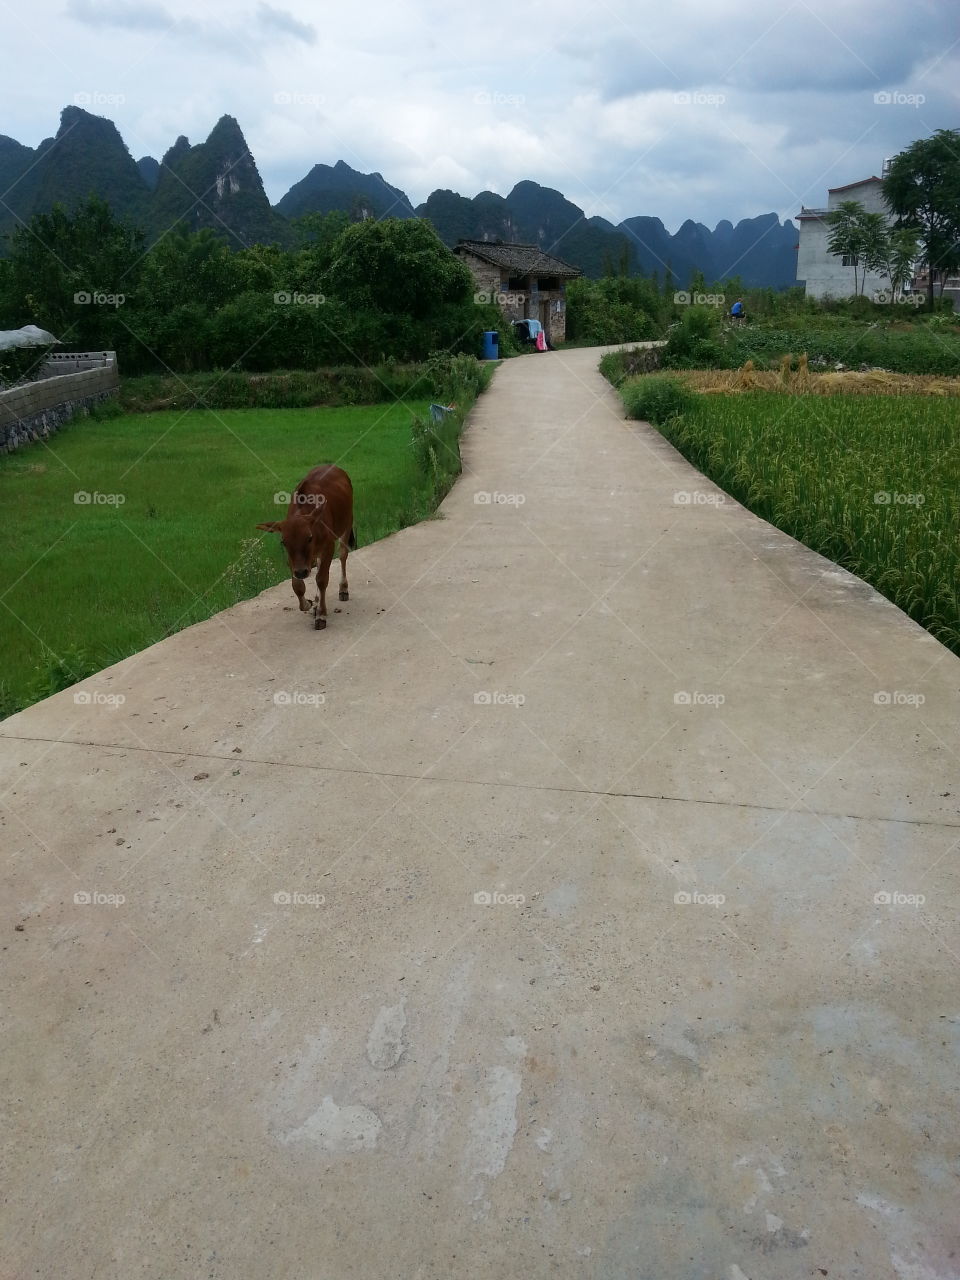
[344, 585]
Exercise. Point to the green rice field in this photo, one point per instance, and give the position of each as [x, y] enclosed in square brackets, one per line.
[872, 482]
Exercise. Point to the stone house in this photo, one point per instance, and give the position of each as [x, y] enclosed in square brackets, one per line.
[525, 282]
[822, 274]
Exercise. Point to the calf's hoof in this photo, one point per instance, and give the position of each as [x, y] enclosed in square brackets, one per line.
[344, 594]
[319, 624]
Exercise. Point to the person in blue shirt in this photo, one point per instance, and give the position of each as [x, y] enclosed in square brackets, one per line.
[737, 313]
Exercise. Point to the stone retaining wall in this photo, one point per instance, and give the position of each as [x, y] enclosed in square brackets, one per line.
[36, 410]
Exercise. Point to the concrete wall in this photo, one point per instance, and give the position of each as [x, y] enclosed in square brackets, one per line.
[36, 410]
[825, 275]
[61, 362]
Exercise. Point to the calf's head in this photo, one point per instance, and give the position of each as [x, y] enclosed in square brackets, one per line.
[297, 538]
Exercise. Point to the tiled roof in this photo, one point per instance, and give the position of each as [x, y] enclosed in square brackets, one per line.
[521, 259]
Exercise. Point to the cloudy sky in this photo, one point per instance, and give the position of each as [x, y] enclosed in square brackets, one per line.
[696, 108]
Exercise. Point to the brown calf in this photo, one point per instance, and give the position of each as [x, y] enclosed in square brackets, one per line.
[319, 516]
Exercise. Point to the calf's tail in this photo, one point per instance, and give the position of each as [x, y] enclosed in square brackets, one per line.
[352, 540]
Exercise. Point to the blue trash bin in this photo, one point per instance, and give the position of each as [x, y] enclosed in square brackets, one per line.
[491, 344]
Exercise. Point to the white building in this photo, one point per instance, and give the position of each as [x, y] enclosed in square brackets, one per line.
[823, 274]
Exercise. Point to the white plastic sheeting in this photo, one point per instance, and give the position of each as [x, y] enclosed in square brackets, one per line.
[28, 336]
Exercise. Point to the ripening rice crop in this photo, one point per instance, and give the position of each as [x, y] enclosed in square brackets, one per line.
[804, 381]
[872, 482]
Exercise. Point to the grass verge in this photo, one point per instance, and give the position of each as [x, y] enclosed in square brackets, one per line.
[122, 531]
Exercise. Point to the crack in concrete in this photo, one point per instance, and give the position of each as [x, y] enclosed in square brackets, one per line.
[486, 782]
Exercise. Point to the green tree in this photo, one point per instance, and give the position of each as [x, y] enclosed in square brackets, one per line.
[399, 266]
[63, 267]
[922, 189]
[192, 267]
[319, 229]
[901, 254]
[875, 246]
[859, 236]
[318, 235]
[187, 277]
[261, 267]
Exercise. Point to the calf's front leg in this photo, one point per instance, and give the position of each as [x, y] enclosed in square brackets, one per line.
[323, 577]
[300, 591]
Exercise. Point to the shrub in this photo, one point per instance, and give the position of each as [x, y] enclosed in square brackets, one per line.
[21, 364]
[455, 380]
[656, 397]
[492, 317]
[104, 410]
[449, 377]
[442, 377]
[612, 367]
[918, 349]
[614, 309]
[693, 342]
[52, 674]
[616, 366]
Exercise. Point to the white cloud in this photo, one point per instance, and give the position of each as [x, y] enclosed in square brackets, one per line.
[120, 13]
[271, 19]
[581, 97]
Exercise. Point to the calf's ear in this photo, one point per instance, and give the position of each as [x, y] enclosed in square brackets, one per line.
[271, 526]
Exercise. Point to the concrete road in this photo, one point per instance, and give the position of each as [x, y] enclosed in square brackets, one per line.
[582, 902]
